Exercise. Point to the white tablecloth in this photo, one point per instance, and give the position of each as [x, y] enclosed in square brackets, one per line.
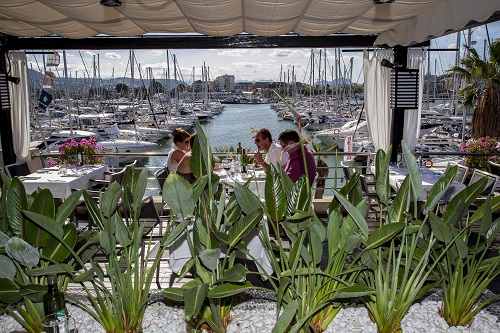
[180, 252]
[429, 178]
[61, 185]
[257, 184]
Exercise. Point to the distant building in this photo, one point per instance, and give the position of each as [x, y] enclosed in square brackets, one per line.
[224, 83]
[244, 85]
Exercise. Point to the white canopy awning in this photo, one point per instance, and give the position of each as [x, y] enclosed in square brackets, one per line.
[401, 22]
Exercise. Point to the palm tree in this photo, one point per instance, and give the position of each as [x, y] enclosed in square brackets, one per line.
[483, 90]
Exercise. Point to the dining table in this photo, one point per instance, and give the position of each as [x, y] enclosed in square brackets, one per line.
[180, 253]
[429, 178]
[63, 181]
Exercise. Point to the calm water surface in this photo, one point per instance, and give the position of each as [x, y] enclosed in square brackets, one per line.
[234, 125]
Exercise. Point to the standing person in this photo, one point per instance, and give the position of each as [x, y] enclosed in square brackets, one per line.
[264, 141]
[290, 142]
[179, 148]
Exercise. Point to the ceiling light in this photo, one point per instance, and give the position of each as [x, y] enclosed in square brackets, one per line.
[378, 2]
[111, 3]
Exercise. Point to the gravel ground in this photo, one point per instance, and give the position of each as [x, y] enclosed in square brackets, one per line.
[255, 311]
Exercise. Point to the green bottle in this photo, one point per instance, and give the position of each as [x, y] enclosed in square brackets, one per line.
[239, 152]
[53, 299]
[244, 162]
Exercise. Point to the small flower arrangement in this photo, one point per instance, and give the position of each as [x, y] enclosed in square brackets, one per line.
[70, 148]
[485, 145]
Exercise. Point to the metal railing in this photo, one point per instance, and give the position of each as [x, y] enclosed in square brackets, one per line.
[335, 175]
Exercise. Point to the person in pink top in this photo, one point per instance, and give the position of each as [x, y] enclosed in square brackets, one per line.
[290, 142]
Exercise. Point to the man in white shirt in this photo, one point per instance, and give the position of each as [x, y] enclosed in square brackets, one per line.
[264, 142]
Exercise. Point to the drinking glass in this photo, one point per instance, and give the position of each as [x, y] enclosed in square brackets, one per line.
[54, 324]
[63, 168]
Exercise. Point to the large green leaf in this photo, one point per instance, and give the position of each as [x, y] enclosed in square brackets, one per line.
[3, 238]
[396, 211]
[353, 212]
[285, 319]
[247, 200]
[123, 236]
[196, 296]
[178, 194]
[467, 196]
[42, 204]
[413, 172]
[478, 215]
[68, 206]
[46, 223]
[21, 251]
[439, 189]
[299, 198]
[236, 274]
[140, 188]
[109, 200]
[8, 269]
[93, 208]
[382, 188]
[210, 258]
[243, 226]
[353, 292]
[9, 293]
[275, 195]
[34, 292]
[50, 270]
[492, 233]
[175, 294]
[229, 289]
[56, 250]
[440, 229]
[16, 203]
[383, 234]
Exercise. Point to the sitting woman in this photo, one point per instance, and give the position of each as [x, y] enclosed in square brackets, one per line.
[184, 167]
[179, 148]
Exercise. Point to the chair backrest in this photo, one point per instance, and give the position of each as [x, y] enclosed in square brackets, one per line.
[364, 185]
[461, 174]
[17, 169]
[117, 177]
[161, 176]
[490, 185]
[149, 216]
[346, 169]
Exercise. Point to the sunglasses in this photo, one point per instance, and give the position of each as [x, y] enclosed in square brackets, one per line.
[187, 142]
[257, 140]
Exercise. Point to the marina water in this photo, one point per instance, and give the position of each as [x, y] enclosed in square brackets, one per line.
[234, 125]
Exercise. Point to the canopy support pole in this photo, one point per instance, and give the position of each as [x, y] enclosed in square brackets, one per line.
[5, 117]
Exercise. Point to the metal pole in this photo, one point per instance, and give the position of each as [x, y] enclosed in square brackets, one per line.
[67, 93]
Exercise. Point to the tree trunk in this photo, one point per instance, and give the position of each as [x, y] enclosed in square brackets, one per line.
[486, 119]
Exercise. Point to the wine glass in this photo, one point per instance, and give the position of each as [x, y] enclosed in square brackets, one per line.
[227, 166]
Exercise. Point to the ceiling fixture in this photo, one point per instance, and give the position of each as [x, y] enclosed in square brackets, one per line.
[377, 2]
[386, 63]
[13, 79]
[111, 3]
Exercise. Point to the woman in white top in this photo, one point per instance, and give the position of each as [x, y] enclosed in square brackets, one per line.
[179, 148]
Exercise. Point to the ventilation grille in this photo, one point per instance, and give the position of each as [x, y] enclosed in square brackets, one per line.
[4, 93]
[404, 88]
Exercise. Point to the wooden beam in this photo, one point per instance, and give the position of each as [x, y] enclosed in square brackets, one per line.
[188, 42]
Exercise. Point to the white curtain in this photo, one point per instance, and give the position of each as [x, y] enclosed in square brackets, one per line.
[411, 133]
[377, 94]
[19, 101]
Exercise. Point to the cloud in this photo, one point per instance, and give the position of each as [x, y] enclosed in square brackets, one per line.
[112, 55]
[288, 53]
[90, 53]
[233, 53]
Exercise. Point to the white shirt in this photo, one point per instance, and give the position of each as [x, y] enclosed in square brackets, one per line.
[273, 156]
[172, 167]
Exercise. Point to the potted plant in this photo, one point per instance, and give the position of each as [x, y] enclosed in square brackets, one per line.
[484, 145]
[494, 165]
[36, 242]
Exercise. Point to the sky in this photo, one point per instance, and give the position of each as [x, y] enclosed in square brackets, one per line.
[249, 64]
